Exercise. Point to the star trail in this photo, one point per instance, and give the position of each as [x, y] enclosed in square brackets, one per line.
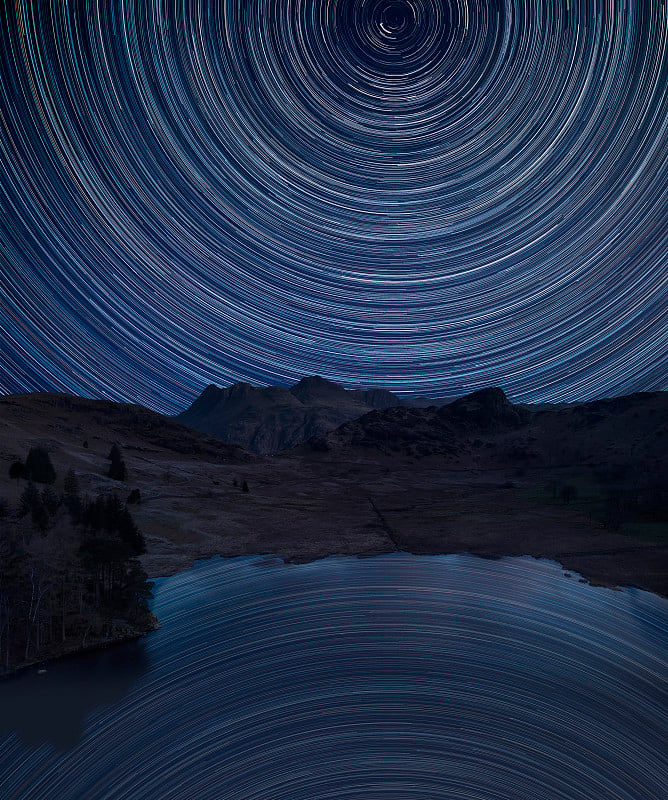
[366, 679]
[428, 195]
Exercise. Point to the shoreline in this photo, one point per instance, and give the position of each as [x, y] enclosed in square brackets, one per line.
[565, 564]
[76, 650]
[568, 562]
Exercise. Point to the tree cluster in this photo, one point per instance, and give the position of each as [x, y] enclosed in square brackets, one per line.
[37, 467]
[68, 572]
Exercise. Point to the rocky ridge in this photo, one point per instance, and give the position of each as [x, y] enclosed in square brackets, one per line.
[266, 420]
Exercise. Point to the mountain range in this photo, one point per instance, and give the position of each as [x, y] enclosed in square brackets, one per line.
[269, 419]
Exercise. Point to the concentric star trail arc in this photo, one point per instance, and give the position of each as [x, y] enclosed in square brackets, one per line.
[429, 195]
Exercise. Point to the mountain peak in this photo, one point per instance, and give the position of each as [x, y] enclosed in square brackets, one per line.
[316, 388]
[241, 389]
[487, 408]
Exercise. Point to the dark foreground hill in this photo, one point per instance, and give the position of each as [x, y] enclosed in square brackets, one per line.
[269, 419]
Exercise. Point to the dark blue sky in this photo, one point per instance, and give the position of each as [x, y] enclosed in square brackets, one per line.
[428, 195]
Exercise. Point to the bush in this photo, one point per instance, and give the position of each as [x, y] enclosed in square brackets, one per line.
[38, 466]
[134, 497]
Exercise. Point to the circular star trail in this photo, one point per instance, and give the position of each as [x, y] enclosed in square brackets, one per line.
[430, 195]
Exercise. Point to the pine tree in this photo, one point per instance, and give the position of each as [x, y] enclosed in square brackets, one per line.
[117, 469]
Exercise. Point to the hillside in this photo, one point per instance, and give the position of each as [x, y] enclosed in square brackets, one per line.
[484, 430]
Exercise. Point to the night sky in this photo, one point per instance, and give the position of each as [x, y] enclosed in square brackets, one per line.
[428, 195]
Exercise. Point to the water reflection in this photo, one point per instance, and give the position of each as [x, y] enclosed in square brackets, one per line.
[53, 707]
[400, 677]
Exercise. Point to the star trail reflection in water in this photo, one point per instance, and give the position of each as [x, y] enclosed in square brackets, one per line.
[389, 677]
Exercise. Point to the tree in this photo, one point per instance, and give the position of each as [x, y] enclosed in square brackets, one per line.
[38, 466]
[71, 484]
[130, 534]
[29, 499]
[40, 517]
[31, 502]
[117, 469]
[72, 498]
[17, 470]
[93, 514]
[67, 585]
[113, 512]
[134, 497]
[50, 500]
[137, 589]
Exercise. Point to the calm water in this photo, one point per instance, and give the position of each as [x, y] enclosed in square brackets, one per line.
[385, 678]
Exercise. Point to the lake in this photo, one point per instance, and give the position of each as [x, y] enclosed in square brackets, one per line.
[383, 678]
